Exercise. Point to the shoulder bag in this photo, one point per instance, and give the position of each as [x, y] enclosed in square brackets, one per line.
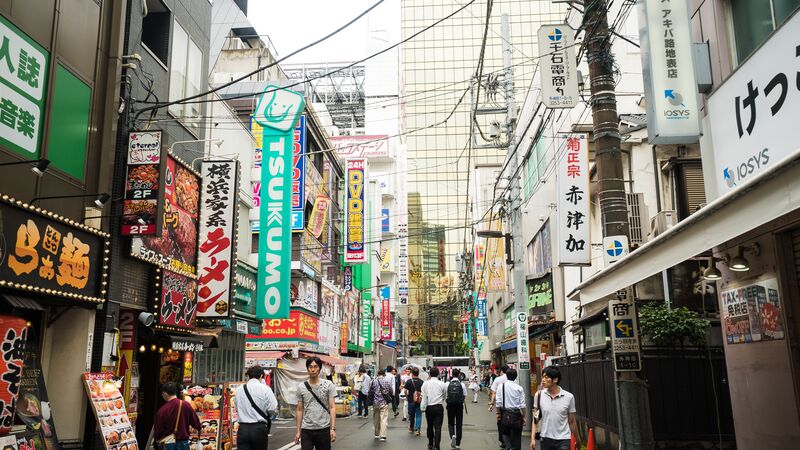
[258, 410]
[387, 396]
[511, 419]
[170, 438]
[324, 406]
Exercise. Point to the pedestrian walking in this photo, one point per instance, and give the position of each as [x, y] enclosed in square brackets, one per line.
[396, 386]
[493, 396]
[403, 394]
[173, 420]
[362, 389]
[382, 397]
[434, 393]
[315, 413]
[413, 388]
[555, 421]
[510, 402]
[255, 404]
[456, 399]
[474, 386]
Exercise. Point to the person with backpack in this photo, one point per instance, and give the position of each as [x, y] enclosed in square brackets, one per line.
[381, 396]
[434, 394]
[413, 389]
[510, 402]
[315, 413]
[255, 405]
[456, 396]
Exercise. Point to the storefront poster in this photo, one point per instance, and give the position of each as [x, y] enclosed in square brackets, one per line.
[355, 184]
[178, 304]
[230, 416]
[206, 402]
[14, 333]
[217, 250]
[49, 254]
[752, 312]
[142, 184]
[109, 410]
[27, 440]
[307, 296]
[316, 223]
[33, 405]
[539, 296]
[176, 248]
[299, 326]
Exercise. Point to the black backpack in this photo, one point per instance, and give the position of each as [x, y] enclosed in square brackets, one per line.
[455, 393]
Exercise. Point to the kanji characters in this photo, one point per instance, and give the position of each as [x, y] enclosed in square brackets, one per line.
[215, 243]
[26, 123]
[574, 219]
[748, 102]
[8, 113]
[46, 270]
[5, 54]
[73, 267]
[25, 258]
[28, 69]
[574, 195]
[573, 170]
[573, 244]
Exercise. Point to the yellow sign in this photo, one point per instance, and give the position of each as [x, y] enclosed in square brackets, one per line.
[386, 259]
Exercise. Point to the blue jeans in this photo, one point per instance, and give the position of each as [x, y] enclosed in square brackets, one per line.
[414, 416]
[178, 445]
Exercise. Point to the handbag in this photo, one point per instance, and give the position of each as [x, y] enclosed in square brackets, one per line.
[170, 438]
[510, 419]
[258, 410]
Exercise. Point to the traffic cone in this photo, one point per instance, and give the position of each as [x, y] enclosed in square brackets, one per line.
[572, 443]
[590, 440]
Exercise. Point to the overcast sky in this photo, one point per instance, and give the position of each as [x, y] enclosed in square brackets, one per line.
[294, 23]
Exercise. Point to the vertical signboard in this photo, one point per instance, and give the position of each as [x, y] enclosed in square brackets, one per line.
[140, 206]
[348, 278]
[316, 223]
[355, 184]
[668, 72]
[385, 220]
[386, 320]
[178, 301]
[558, 67]
[216, 259]
[523, 355]
[299, 175]
[402, 227]
[277, 111]
[572, 172]
[366, 321]
[481, 322]
[624, 332]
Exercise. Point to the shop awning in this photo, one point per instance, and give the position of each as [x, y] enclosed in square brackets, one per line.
[766, 197]
[332, 360]
[17, 301]
[508, 345]
[265, 355]
[540, 330]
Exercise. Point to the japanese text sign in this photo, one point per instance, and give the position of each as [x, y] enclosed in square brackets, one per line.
[572, 172]
[361, 146]
[216, 258]
[140, 207]
[299, 326]
[178, 305]
[524, 361]
[299, 174]
[47, 255]
[558, 67]
[355, 184]
[13, 333]
[668, 71]
[539, 295]
[176, 248]
[386, 320]
[316, 223]
[624, 332]
[23, 79]
[752, 312]
[366, 319]
[348, 278]
[753, 115]
[401, 210]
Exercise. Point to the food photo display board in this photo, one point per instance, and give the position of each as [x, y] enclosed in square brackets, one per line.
[110, 412]
[206, 402]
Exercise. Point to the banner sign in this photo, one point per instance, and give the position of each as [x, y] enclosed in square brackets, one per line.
[386, 320]
[523, 355]
[572, 173]
[178, 301]
[668, 72]
[496, 263]
[558, 67]
[348, 278]
[140, 206]
[299, 326]
[752, 312]
[299, 175]
[216, 259]
[176, 248]
[385, 220]
[277, 111]
[46, 253]
[480, 280]
[355, 177]
[316, 223]
[624, 332]
[366, 322]
[371, 146]
[386, 259]
[343, 338]
[402, 226]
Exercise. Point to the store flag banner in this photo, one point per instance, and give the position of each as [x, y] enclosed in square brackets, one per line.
[355, 184]
[572, 173]
[140, 206]
[752, 312]
[176, 248]
[480, 279]
[752, 114]
[44, 252]
[316, 223]
[299, 175]
[670, 84]
[277, 110]
[558, 67]
[402, 226]
[386, 320]
[23, 79]
[348, 278]
[177, 301]
[218, 229]
[366, 322]
[14, 333]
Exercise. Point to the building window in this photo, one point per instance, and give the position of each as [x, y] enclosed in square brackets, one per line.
[185, 74]
[155, 30]
[754, 20]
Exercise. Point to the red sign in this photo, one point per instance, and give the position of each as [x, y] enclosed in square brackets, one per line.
[178, 300]
[299, 325]
[386, 320]
[140, 207]
[13, 333]
[343, 338]
[465, 318]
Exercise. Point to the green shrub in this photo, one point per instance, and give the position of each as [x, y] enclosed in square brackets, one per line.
[677, 326]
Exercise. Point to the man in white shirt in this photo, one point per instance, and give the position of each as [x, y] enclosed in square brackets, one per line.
[362, 390]
[403, 378]
[510, 399]
[493, 396]
[456, 397]
[254, 410]
[557, 408]
[434, 393]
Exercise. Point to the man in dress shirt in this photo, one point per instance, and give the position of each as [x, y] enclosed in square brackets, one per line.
[434, 393]
[254, 416]
[363, 392]
[511, 397]
[493, 396]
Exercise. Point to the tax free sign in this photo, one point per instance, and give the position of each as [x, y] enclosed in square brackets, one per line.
[277, 111]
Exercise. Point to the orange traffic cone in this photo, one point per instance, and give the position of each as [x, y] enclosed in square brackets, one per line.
[590, 440]
[572, 443]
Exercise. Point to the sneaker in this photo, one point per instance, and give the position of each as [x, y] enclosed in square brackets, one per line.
[383, 439]
[404, 419]
[396, 413]
[377, 437]
[453, 441]
[418, 433]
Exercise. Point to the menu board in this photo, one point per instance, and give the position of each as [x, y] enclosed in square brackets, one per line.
[26, 440]
[109, 410]
[206, 402]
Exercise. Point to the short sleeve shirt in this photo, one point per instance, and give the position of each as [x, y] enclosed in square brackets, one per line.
[314, 415]
[555, 413]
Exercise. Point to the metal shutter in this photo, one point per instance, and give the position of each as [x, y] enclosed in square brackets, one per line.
[693, 191]
[795, 235]
[636, 217]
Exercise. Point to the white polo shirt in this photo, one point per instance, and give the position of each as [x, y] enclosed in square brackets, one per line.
[555, 413]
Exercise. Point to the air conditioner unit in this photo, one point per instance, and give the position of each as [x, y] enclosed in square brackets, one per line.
[637, 218]
[662, 222]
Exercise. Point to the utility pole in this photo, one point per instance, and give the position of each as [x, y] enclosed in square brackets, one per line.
[633, 409]
[515, 216]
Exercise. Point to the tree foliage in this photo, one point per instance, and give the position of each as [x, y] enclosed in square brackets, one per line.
[677, 326]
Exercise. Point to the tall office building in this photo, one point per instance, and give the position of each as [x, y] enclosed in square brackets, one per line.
[437, 68]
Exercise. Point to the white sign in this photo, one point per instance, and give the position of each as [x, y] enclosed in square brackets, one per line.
[624, 334]
[216, 238]
[614, 248]
[371, 146]
[668, 71]
[523, 356]
[558, 67]
[144, 147]
[753, 115]
[572, 172]
[402, 227]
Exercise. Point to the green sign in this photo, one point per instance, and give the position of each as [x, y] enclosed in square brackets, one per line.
[23, 79]
[245, 295]
[539, 293]
[276, 106]
[508, 321]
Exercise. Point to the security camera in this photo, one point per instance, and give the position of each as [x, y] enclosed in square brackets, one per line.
[147, 319]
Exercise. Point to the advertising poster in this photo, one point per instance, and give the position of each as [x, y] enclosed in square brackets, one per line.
[33, 404]
[496, 265]
[109, 410]
[215, 260]
[355, 208]
[319, 214]
[27, 440]
[207, 404]
[299, 326]
[752, 312]
[539, 296]
[178, 305]
[176, 248]
[230, 417]
[140, 206]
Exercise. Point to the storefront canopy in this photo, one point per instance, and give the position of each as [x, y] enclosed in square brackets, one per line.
[767, 197]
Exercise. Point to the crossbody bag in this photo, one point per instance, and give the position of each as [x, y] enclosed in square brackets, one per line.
[324, 406]
[258, 410]
[170, 438]
[510, 419]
